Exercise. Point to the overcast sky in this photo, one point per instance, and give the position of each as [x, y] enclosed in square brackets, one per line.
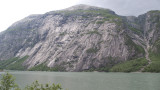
[14, 10]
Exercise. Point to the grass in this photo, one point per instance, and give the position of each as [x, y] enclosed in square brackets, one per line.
[92, 50]
[100, 22]
[103, 20]
[63, 33]
[154, 11]
[107, 14]
[44, 67]
[40, 67]
[155, 65]
[155, 18]
[5, 63]
[138, 49]
[129, 66]
[137, 31]
[13, 63]
[101, 12]
[158, 24]
[17, 65]
[157, 45]
[94, 32]
[155, 58]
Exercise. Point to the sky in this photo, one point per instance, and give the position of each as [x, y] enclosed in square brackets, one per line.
[14, 10]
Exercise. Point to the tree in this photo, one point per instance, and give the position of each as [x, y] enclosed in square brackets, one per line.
[36, 86]
[8, 82]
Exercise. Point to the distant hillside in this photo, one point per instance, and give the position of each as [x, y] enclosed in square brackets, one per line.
[83, 38]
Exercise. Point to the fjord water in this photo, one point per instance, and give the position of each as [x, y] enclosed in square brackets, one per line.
[91, 80]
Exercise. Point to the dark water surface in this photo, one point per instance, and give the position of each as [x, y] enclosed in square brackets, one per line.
[91, 80]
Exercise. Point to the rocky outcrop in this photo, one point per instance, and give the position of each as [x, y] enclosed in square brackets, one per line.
[78, 38]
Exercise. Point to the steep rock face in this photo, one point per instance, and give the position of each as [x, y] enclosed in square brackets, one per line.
[149, 23]
[77, 38]
[20, 35]
[152, 30]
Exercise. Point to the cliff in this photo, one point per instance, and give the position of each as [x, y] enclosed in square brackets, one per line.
[80, 38]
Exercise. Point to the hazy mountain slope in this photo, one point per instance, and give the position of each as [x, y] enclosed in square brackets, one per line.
[78, 38]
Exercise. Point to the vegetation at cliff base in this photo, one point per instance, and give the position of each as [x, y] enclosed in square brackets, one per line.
[7, 82]
[129, 66]
[155, 65]
[13, 63]
[5, 63]
[44, 67]
[17, 65]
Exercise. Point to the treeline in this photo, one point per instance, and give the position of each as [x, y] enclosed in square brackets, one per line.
[134, 65]
[7, 82]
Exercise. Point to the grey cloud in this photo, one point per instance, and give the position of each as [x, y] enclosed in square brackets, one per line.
[125, 7]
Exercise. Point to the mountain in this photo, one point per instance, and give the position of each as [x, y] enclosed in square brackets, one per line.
[82, 38]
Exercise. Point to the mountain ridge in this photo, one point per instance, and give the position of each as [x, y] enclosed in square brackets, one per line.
[81, 38]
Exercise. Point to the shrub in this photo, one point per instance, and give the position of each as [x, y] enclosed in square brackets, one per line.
[94, 32]
[44, 67]
[155, 65]
[17, 65]
[138, 49]
[137, 31]
[129, 66]
[8, 83]
[100, 22]
[13, 63]
[92, 50]
[36, 86]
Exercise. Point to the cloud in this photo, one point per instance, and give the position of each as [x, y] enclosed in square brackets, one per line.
[14, 10]
[126, 7]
